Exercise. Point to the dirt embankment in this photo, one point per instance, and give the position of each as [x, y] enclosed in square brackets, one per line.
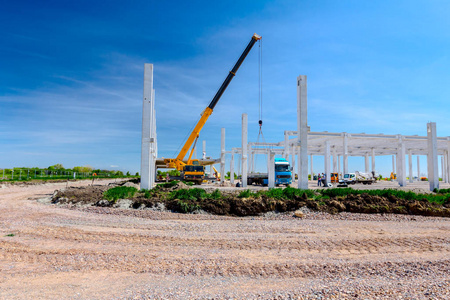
[233, 204]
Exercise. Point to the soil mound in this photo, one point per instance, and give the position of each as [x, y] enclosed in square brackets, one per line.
[179, 197]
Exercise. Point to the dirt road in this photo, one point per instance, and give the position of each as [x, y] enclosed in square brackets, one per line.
[51, 252]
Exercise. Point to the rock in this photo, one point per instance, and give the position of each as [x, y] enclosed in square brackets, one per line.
[298, 214]
[103, 203]
[130, 184]
[123, 203]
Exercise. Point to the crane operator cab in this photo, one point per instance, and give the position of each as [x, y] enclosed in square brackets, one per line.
[194, 172]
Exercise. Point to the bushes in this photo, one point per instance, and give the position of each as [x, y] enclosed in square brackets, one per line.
[119, 192]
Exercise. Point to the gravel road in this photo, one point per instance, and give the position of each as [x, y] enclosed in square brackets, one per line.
[54, 252]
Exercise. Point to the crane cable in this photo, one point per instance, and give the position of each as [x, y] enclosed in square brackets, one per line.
[260, 102]
[260, 96]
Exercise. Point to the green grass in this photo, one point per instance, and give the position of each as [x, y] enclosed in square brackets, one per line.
[119, 192]
[11, 234]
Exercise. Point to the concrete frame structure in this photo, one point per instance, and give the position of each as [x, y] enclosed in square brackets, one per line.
[304, 143]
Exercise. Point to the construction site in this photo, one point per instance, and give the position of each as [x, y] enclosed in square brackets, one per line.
[280, 233]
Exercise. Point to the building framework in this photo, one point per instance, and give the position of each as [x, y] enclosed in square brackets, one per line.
[298, 145]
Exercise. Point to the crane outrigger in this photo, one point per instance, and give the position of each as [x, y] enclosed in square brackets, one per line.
[192, 170]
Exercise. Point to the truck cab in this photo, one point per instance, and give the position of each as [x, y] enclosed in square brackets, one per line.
[283, 173]
[194, 172]
[349, 178]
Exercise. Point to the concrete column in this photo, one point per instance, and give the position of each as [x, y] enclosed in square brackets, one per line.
[293, 162]
[271, 169]
[339, 165]
[393, 164]
[250, 161]
[302, 132]
[327, 163]
[433, 176]
[312, 170]
[244, 149]
[410, 166]
[373, 160]
[147, 157]
[345, 154]
[418, 167]
[334, 160]
[401, 164]
[204, 150]
[366, 163]
[222, 156]
[286, 146]
[448, 158]
[232, 168]
[442, 167]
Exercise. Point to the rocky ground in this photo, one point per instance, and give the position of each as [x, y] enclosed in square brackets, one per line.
[84, 252]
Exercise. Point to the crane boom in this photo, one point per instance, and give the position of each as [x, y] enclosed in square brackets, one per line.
[178, 161]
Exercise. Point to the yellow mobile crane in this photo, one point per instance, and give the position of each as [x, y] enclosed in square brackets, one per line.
[192, 170]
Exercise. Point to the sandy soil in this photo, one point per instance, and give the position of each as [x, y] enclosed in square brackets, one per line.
[107, 253]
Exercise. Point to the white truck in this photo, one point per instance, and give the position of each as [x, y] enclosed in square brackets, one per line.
[357, 177]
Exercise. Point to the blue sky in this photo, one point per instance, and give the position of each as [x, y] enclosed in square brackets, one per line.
[71, 73]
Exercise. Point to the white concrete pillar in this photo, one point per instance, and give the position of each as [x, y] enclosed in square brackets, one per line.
[204, 150]
[253, 161]
[327, 162]
[366, 163]
[410, 166]
[442, 167]
[448, 159]
[271, 169]
[222, 156]
[433, 176]
[312, 169]
[286, 146]
[334, 160]
[147, 151]
[401, 164]
[373, 161]
[244, 152]
[393, 164]
[345, 154]
[339, 165]
[232, 168]
[418, 167]
[293, 162]
[302, 132]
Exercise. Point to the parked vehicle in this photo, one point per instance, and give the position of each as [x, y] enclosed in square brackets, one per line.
[283, 174]
[357, 177]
